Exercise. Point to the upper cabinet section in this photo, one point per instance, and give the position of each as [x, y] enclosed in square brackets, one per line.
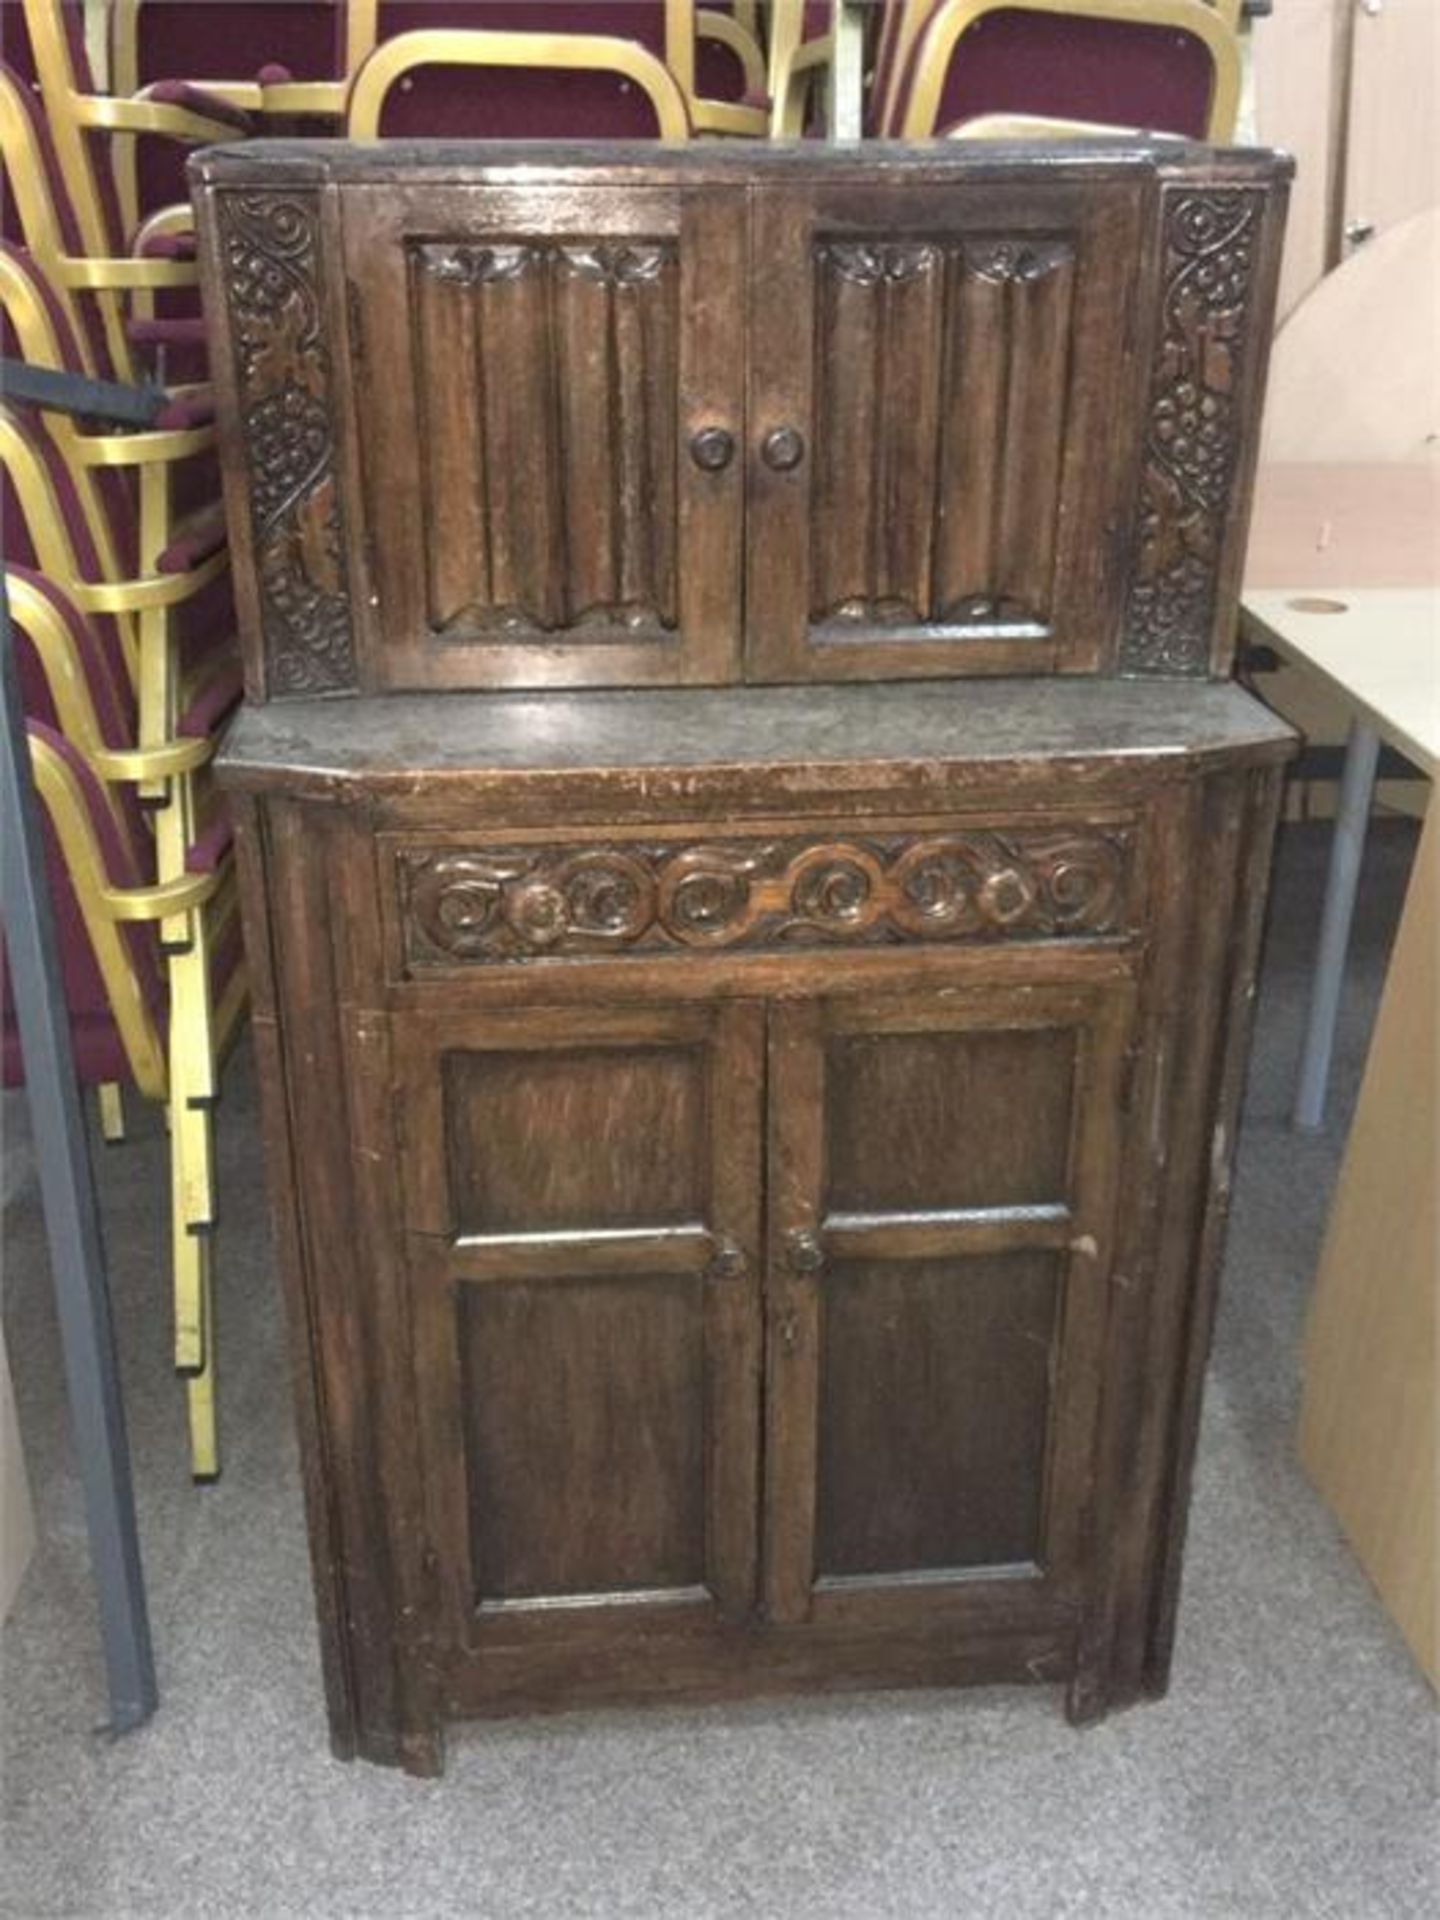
[690, 416]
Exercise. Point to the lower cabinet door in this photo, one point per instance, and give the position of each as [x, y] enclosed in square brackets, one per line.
[584, 1212]
[941, 1173]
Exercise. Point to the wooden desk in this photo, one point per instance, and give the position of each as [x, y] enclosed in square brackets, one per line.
[1368, 1413]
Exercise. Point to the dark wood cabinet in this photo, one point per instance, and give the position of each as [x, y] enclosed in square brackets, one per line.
[750, 1158]
[737, 413]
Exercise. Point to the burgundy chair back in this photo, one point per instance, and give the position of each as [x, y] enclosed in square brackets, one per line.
[521, 103]
[67, 230]
[226, 40]
[1123, 73]
[99, 1051]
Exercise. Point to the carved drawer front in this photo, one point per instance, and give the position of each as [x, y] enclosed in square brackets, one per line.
[943, 377]
[549, 404]
[481, 904]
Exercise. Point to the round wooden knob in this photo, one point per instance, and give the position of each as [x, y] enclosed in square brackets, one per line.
[803, 1251]
[727, 1262]
[783, 448]
[712, 449]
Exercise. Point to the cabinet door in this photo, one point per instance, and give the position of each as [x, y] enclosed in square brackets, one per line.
[941, 1173]
[549, 409]
[581, 1188]
[940, 463]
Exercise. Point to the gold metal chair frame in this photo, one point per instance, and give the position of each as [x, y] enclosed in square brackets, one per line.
[140, 604]
[181, 1074]
[794, 65]
[684, 21]
[953, 18]
[72, 112]
[106, 275]
[469, 48]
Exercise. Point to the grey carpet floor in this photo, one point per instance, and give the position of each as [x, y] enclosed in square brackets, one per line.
[1289, 1773]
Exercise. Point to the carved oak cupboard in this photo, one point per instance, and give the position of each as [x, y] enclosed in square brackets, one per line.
[752, 986]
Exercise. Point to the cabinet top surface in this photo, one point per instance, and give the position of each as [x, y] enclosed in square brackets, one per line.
[270, 162]
[398, 739]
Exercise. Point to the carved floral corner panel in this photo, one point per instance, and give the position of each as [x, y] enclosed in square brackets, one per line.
[284, 383]
[489, 905]
[1195, 424]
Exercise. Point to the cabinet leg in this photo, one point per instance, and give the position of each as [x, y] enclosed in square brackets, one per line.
[422, 1752]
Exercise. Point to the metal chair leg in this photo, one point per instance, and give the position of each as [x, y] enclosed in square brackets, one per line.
[110, 1098]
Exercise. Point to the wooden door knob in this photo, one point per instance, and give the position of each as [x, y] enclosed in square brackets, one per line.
[783, 448]
[803, 1251]
[712, 449]
[727, 1259]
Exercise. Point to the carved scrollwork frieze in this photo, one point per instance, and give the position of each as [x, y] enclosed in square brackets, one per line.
[271, 247]
[1194, 426]
[504, 904]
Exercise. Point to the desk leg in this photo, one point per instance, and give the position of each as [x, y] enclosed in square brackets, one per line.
[845, 106]
[1357, 786]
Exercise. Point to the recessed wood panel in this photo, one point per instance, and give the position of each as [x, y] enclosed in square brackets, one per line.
[948, 1119]
[567, 1138]
[584, 1434]
[934, 1409]
[942, 372]
[546, 377]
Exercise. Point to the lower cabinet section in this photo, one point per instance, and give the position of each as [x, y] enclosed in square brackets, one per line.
[703, 1319]
[759, 1315]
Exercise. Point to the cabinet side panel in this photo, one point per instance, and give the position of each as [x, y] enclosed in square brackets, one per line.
[335, 1247]
[1213, 845]
[327, 1566]
[1262, 796]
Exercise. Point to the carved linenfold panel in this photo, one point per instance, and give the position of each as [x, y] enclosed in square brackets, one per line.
[498, 904]
[942, 375]
[271, 251]
[1194, 425]
[546, 377]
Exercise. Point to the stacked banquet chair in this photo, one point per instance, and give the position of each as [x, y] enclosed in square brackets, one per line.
[533, 69]
[117, 581]
[553, 69]
[1053, 68]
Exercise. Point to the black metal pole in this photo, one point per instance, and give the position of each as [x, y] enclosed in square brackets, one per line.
[72, 1221]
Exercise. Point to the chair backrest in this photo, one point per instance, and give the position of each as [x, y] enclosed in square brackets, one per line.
[112, 973]
[56, 521]
[711, 55]
[56, 31]
[39, 214]
[229, 42]
[502, 85]
[1167, 66]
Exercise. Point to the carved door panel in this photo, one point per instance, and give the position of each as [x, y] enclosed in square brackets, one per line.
[941, 454]
[941, 1187]
[550, 398]
[584, 1213]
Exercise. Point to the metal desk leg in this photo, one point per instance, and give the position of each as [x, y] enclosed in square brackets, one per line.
[1357, 786]
[845, 106]
[82, 1295]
